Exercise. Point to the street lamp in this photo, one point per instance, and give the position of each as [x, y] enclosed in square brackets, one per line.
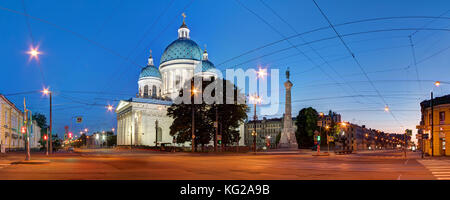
[261, 73]
[194, 92]
[256, 100]
[110, 108]
[46, 92]
[437, 84]
[34, 53]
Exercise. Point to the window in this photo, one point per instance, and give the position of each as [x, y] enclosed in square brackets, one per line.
[154, 91]
[441, 117]
[146, 91]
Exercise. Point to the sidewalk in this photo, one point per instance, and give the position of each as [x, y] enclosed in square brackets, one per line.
[19, 158]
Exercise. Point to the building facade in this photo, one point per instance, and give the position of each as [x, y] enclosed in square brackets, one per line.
[267, 131]
[11, 119]
[435, 142]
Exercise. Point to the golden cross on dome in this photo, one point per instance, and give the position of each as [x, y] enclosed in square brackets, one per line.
[184, 16]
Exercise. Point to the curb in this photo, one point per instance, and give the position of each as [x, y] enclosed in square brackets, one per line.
[30, 162]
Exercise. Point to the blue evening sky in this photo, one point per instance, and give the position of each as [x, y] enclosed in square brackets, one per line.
[93, 51]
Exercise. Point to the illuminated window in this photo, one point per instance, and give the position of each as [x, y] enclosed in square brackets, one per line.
[441, 117]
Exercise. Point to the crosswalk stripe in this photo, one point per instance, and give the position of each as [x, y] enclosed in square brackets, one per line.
[439, 169]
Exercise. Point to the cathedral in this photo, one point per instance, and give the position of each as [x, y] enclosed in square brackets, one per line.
[142, 120]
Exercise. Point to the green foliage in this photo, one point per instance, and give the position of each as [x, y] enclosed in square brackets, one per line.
[230, 116]
[41, 121]
[306, 125]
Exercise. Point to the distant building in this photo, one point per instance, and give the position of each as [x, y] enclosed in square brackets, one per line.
[326, 120]
[361, 138]
[35, 135]
[441, 126]
[267, 131]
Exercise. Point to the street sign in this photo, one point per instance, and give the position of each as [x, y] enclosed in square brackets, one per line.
[330, 138]
[79, 119]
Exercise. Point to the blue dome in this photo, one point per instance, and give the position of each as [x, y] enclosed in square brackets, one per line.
[150, 71]
[206, 65]
[182, 48]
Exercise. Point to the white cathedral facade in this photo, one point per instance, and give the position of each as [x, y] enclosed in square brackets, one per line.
[143, 120]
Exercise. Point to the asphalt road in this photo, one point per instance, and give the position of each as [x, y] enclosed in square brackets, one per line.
[126, 165]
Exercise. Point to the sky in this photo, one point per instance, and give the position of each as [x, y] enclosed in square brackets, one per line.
[93, 51]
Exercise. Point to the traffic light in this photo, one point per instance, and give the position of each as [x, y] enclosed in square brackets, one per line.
[23, 129]
[219, 142]
[45, 137]
[70, 135]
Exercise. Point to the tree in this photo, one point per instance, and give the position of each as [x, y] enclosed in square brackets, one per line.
[230, 115]
[41, 121]
[306, 125]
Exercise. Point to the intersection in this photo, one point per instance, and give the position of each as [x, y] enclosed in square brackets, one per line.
[301, 165]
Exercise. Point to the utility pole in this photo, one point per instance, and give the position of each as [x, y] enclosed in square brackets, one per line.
[217, 128]
[254, 124]
[156, 133]
[432, 125]
[27, 138]
[51, 135]
[193, 116]
[46, 153]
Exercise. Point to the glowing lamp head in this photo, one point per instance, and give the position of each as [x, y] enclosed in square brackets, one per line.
[34, 53]
[261, 73]
[437, 83]
[386, 108]
[45, 91]
[110, 108]
[321, 114]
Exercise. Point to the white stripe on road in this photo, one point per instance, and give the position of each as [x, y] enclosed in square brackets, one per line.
[443, 178]
[440, 172]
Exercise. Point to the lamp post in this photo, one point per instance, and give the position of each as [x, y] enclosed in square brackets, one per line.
[437, 84]
[256, 99]
[261, 73]
[193, 93]
[46, 91]
[156, 133]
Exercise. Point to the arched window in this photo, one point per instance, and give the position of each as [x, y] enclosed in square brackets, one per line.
[146, 91]
[154, 91]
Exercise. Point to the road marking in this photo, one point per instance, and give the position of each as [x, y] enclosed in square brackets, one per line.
[440, 172]
[440, 169]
